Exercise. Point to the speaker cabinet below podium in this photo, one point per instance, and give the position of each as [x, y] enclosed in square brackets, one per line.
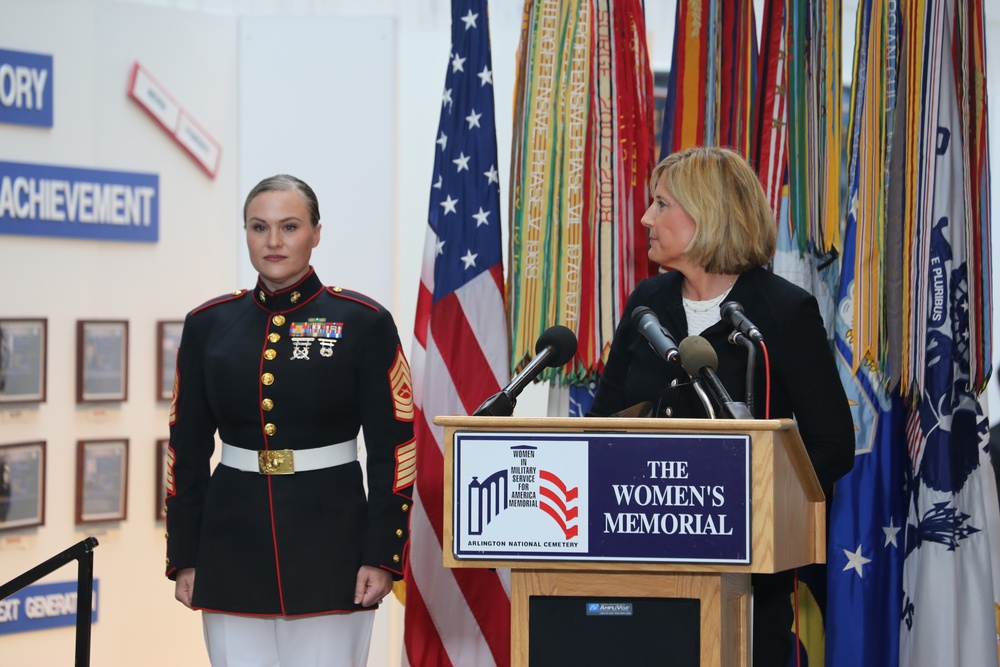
[572, 631]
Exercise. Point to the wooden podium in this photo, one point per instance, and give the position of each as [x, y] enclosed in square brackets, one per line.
[784, 517]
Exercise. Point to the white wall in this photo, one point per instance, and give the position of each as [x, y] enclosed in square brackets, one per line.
[94, 44]
[322, 106]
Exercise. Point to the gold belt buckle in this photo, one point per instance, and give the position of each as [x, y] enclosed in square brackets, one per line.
[276, 462]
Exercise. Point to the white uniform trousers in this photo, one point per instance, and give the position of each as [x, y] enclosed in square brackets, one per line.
[330, 640]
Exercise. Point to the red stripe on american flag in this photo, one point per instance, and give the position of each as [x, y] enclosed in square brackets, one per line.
[485, 596]
[462, 354]
[482, 589]
[423, 648]
[430, 465]
[423, 316]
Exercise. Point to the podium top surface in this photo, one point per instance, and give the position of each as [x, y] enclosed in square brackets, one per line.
[613, 424]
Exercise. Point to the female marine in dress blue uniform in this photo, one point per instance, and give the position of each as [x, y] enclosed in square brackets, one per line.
[282, 530]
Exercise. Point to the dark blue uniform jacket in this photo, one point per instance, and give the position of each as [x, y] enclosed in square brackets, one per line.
[306, 367]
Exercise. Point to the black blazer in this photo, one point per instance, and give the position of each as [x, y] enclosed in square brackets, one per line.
[804, 380]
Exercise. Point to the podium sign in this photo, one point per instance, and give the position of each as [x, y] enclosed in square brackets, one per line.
[617, 497]
[629, 511]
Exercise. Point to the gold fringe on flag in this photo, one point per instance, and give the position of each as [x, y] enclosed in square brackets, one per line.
[582, 153]
[871, 111]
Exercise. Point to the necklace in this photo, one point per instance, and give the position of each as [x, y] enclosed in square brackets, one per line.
[705, 306]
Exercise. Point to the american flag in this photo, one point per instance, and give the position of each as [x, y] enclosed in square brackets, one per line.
[460, 355]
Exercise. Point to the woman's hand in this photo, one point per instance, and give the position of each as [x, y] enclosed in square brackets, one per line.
[184, 585]
[373, 584]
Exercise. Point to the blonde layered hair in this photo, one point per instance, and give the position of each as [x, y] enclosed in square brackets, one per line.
[734, 228]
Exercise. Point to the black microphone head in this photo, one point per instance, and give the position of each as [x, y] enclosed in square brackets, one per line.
[697, 353]
[561, 340]
[732, 313]
[727, 309]
[638, 314]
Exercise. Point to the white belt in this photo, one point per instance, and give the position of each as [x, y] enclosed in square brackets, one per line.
[289, 461]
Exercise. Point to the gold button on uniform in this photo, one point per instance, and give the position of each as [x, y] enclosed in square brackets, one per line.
[267, 379]
[406, 507]
[267, 404]
[273, 337]
[296, 296]
[399, 532]
[270, 429]
[278, 320]
[395, 558]
[270, 354]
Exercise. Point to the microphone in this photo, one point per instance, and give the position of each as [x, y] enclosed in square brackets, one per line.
[737, 338]
[700, 361]
[732, 312]
[554, 347]
[647, 324]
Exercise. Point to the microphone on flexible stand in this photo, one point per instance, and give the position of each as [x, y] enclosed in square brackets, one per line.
[706, 402]
[744, 333]
[732, 312]
[737, 338]
[699, 359]
[554, 347]
[646, 323]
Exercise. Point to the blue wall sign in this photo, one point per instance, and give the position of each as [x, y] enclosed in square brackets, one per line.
[25, 88]
[41, 607]
[42, 200]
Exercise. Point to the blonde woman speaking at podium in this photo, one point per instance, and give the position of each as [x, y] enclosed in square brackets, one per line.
[710, 224]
